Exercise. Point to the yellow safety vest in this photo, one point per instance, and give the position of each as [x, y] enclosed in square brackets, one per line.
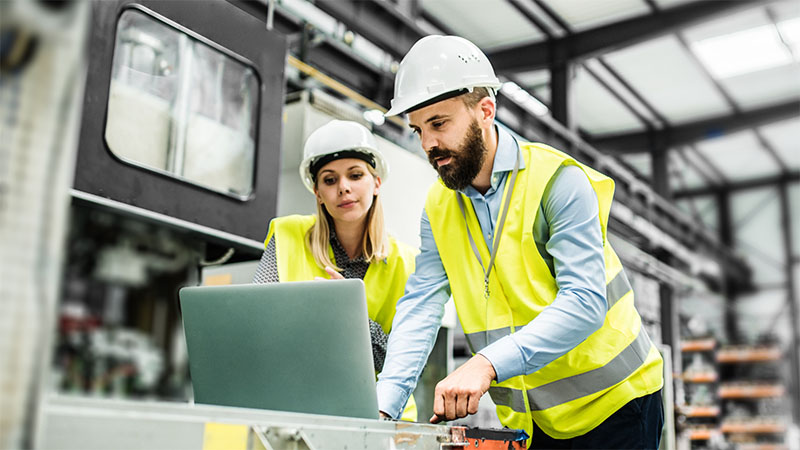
[576, 392]
[384, 281]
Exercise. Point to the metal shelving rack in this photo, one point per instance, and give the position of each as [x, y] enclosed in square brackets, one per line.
[700, 410]
[755, 412]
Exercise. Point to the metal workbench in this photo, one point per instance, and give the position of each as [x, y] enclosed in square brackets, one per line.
[83, 423]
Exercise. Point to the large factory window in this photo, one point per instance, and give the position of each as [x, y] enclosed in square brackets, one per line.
[181, 106]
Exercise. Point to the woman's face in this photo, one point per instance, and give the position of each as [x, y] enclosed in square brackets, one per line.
[347, 188]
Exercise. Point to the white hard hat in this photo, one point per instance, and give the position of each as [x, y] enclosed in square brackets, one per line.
[339, 139]
[439, 67]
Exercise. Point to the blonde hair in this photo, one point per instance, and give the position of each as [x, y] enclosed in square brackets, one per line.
[374, 243]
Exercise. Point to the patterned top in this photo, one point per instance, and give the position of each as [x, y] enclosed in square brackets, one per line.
[267, 272]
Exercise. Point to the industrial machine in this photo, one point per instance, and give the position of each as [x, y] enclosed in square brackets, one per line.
[179, 168]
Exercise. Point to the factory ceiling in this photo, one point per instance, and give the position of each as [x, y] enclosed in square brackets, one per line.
[696, 98]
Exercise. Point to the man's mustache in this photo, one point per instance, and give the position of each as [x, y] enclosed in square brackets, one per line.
[437, 153]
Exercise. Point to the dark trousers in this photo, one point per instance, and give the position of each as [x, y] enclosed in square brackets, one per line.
[637, 425]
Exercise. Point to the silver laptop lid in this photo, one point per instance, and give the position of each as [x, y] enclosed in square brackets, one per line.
[296, 346]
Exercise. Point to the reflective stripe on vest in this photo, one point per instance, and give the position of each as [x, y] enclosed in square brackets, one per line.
[507, 396]
[577, 386]
[617, 288]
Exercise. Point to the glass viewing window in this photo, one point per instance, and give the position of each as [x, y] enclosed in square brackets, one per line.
[181, 106]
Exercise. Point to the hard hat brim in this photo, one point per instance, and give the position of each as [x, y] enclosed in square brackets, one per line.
[406, 106]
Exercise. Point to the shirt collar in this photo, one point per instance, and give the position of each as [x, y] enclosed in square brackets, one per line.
[506, 155]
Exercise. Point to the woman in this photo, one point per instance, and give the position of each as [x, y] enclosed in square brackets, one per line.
[346, 238]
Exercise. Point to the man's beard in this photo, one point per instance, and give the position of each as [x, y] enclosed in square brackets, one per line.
[465, 163]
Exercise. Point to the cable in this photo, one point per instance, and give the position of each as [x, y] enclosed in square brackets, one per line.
[221, 260]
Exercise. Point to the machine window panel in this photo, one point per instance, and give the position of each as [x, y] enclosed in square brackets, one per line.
[182, 106]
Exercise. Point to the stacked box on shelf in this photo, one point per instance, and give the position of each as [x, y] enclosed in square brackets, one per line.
[701, 410]
[754, 409]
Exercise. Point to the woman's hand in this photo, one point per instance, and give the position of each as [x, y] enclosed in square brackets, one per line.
[334, 274]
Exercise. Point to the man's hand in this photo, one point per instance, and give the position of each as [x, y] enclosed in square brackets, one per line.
[459, 394]
[333, 273]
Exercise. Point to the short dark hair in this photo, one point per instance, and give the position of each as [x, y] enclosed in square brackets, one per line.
[472, 98]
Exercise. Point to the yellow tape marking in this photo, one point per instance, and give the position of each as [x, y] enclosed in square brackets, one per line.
[225, 436]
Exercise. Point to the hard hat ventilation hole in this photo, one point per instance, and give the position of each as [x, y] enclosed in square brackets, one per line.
[464, 60]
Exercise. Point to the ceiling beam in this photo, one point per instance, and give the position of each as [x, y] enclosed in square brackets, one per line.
[331, 56]
[788, 177]
[609, 37]
[697, 131]
[338, 60]
[532, 18]
[379, 21]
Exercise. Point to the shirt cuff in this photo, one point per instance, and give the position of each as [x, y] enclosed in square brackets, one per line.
[506, 358]
[391, 398]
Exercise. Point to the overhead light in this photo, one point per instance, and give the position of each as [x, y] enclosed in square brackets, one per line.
[374, 116]
[522, 98]
[743, 52]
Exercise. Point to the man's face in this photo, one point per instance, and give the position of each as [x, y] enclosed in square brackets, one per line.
[452, 139]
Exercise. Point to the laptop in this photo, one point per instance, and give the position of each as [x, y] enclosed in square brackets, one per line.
[297, 346]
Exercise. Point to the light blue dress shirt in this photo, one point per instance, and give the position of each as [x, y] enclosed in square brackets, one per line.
[568, 236]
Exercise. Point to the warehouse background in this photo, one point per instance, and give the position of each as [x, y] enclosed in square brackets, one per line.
[693, 107]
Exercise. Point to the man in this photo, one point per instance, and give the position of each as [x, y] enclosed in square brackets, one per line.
[516, 232]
